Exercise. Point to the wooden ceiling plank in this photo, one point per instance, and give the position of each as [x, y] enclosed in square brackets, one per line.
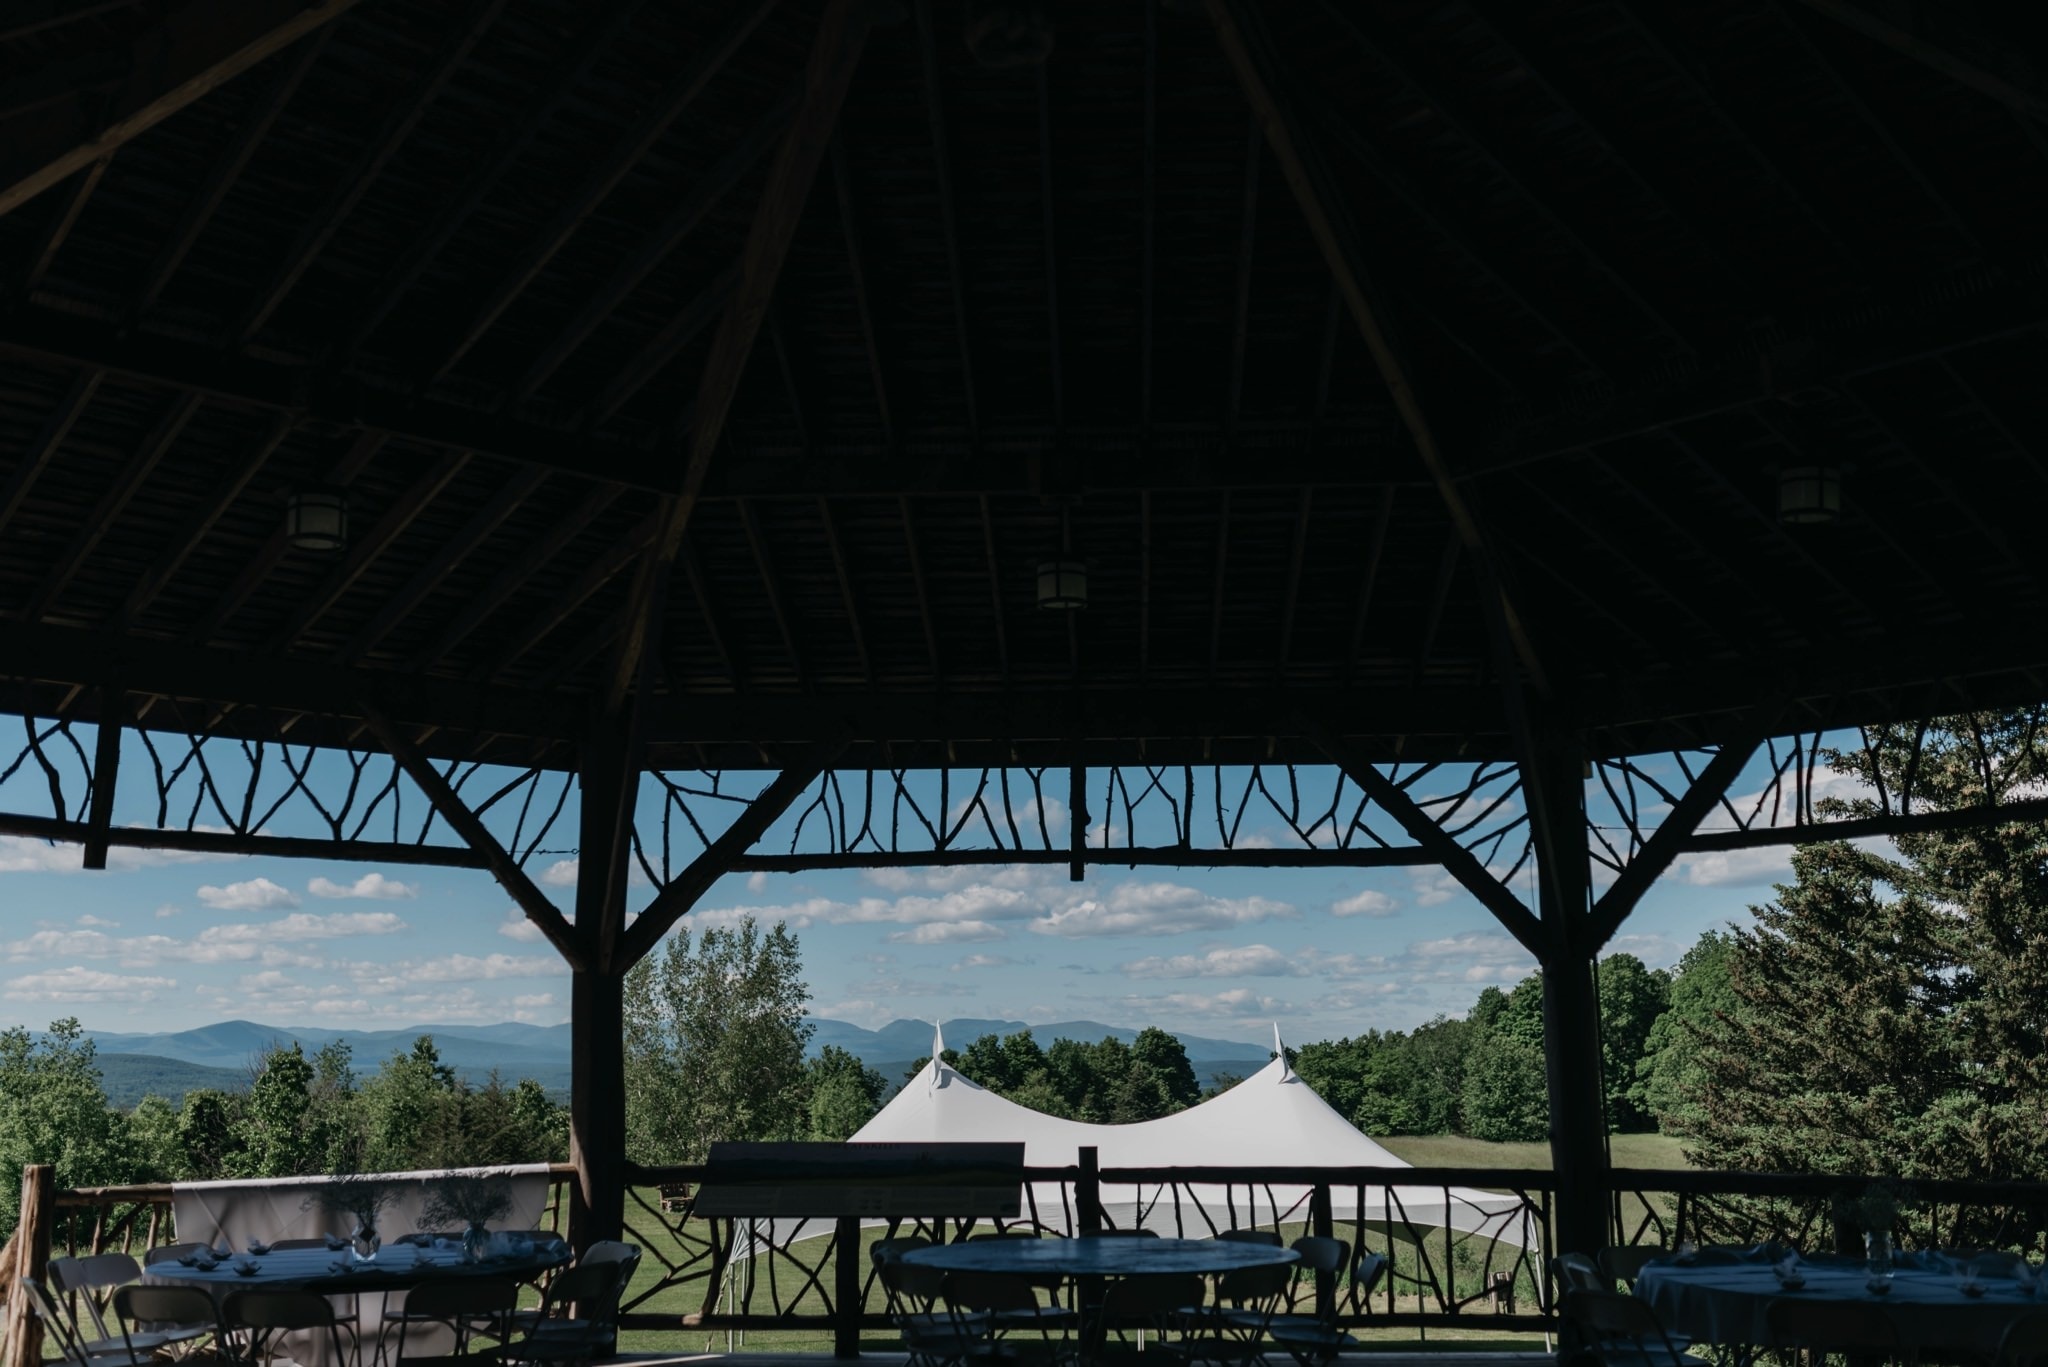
[204, 45]
[61, 226]
[594, 43]
[480, 528]
[604, 177]
[914, 557]
[757, 545]
[995, 595]
[779, 344]
[1376, 550]
[700, 590]
[366, 547]
[835, 53]
[942, 166]
[704, 195]
[1440, 597]
[1250, 56]
[195, 530]
[1241, 296]
[1218, 581]
[857, 274]
[615, 560]
[226, 170]
[48, 438]
[525, 563]
[320, 229]
[1148, 242]
[112, 504]
[340, 475]
[2027, 98]
[1052, 264]
[1144, 583]
[846, 595]
[639, 371]
[1296, 551]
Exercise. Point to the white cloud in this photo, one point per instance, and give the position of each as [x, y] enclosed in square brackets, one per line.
[24, 854]
[167, 910]
[257, 894]
[371, 886]
[1735, 868]
[306, 925]
[76, 984]
[1158, 909]
[560, 874]
[1367, 903]
[1235, 1004]
[983, 961]
[757, 881]
[1243, 961]
[96, 921]
[518, 926]
[947, 933]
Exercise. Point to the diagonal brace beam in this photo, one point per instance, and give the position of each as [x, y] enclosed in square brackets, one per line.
[1457, 861]
[478, 837]
[684, 890]
[1614, 905]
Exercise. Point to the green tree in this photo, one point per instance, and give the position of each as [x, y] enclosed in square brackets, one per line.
[714, 1042]
[1668, 1075]
[53, 1109]
[411, 1112]
[844, 1093]
[209, 1133]
[156, 1153]
[1167, 1057]
[1632, 998]
[1503, 1095]
[278, 1134]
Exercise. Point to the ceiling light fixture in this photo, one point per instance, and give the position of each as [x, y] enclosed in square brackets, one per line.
[316, 519]
[1810, 494]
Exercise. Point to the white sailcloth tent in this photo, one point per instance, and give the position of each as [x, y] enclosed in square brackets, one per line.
[1270, 1120]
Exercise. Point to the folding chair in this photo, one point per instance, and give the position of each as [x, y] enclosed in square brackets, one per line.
[1233, 1330]
[1010, 1302]
[1269, 1237]
[457, 1313]
[932, 1336]
[1621, 1331]
[177, 1314]
[1314, 1337]
[90, 1281]
[1158, 1303]
[260, 1318]
[1577, 1272]
[578, 1320]
[2025, 1341]
[60, 1331]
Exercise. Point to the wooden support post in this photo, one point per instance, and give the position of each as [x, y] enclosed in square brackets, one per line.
[1077, 822]
[1088, 1191]
[106, 771]
[847, 1302]
[1322, 1223]
[597, 1106]
[1571, 1011]
[31, 1247]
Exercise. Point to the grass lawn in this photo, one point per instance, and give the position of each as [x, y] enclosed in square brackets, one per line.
[1631, 1151]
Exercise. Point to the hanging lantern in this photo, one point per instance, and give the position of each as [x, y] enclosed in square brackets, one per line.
[316, 519]
[1063, 583]
[1809, 494]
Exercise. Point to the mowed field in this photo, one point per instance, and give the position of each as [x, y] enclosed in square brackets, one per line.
[1629, 1151]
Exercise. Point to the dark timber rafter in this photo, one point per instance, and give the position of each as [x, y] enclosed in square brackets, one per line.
[1939, 51]
[327, 218]
[1245, 43]
[61, 226]
[206, 43]
[1052, 260]
[40, 452]
[857, 277]
[942, 165]
[834, 54]
[196, 529]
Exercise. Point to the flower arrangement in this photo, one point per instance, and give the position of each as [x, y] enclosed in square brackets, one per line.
[469, 1199]
[354, 1193]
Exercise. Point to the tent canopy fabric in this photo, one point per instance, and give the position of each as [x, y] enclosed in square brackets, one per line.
[1270, 1120]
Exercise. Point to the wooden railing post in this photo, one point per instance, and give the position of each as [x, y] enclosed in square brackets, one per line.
[1323, 1225]
[1088, 1191]
[848, 1305]
[31, 1259]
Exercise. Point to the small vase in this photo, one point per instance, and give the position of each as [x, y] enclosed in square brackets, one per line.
[365, 1241]
[474, 1240]
[1877, 1251]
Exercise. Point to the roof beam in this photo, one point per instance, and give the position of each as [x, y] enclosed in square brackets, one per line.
[942, 165]
[700, 591]
[2017, 92]
[571, 212]
[1052, 260]
[1241, 297]
[681, 330]
[835, 52]
[1240, 29]
[195, 529]
[995, 594]
[43, 449]
[857, 273]
[778, 343]
[1218, 580]
[206, 44]
[61, 226]
[1148, 250]
[844, 577]
[616, 559]
[915, 558]
[757, 545]
[1296, 552]
[1376, 550]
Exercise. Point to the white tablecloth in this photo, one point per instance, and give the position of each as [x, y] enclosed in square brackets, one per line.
[1727, 1304]
[273, 1208]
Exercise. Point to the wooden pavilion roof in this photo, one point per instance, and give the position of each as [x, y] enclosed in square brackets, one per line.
[468, 259]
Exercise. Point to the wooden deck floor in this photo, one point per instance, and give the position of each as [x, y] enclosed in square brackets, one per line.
[769, 1359]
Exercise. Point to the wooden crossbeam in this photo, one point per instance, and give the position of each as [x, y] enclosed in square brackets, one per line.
[205, 44]
[639, 370]
[847, 601]
[43, 448]
[465, 823]
[1297, 549]
[106, 774]
[700, 590]
[1244, 43]
[60, 226]
[113, 503]
[616, 560]
[835, 52]
[995, 596]
[574, 208]
[1052, 259]
[785, 368]
[757, 547]
[913, 556]
[682, 892]
[1456, 860]
[1612, 907]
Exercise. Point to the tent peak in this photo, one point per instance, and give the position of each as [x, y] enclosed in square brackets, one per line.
[1280, 1052]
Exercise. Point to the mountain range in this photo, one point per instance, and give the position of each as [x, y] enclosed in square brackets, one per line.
[222, 1054]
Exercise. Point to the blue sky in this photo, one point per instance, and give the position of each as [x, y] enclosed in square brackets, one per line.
[168, 941]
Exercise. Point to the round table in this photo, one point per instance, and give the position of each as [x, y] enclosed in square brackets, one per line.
[1727, 1303]
[397, 1267]
[1107, 1255]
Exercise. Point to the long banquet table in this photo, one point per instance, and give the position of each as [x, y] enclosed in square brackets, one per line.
[1727, 1303]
